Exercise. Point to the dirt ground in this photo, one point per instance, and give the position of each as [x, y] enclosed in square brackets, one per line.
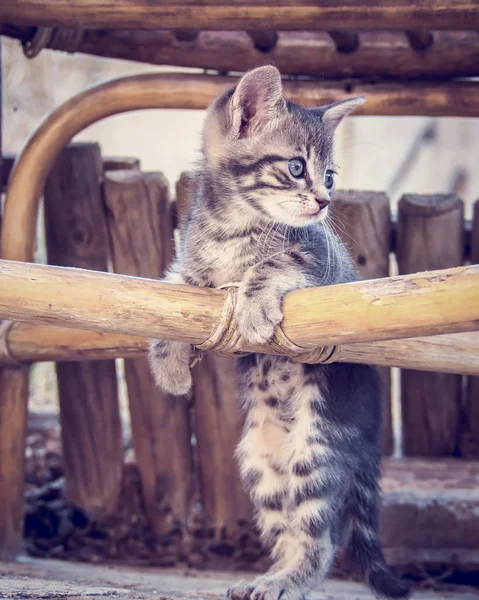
[56, 580]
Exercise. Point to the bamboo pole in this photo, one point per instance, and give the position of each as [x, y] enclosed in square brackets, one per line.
[384, 54]
[30, 342]
[194, 92]
[327, 15]
[428, 303]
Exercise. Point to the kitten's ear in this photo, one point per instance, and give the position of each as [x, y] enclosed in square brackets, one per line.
[257, 102]
[333, 114]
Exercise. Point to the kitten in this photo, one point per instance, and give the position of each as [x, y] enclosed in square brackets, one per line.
[309, 453]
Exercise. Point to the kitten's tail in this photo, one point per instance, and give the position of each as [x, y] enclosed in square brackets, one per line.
[366, 549]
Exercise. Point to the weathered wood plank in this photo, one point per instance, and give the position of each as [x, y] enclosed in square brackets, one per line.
[312, 53]
[245, 14]
[363, 222]
[217, 409]
[470, 441]
[141, 238]
[430, 236]
[13, 417]
[89, 411]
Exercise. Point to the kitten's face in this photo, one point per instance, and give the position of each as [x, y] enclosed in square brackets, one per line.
[287, 174]
[273, 157]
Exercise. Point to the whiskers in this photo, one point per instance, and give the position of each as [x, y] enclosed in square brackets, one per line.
[336, 226]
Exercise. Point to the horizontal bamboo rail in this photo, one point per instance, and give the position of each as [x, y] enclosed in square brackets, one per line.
[194, 92]
[387, 54]
[430, 303]
[330, 15]
[30, 342]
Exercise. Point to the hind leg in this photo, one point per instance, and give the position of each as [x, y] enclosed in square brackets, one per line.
[263, 470]
[306, 543]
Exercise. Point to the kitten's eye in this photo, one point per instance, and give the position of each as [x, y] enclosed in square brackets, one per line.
[329, 179]
[296, 167]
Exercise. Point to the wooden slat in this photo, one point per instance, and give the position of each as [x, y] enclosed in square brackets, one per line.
[141, 236]
[110, 163]
[13, 418]
[363, 221]
[185, 189]
[470, 441]
[312, 53]
[217, 409]
[89, 411]
[327, 15]
[430, 236]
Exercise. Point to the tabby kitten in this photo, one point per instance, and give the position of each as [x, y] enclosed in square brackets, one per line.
[309, 453]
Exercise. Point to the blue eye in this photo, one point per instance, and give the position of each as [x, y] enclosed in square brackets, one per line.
[329, 179]
[296, 167]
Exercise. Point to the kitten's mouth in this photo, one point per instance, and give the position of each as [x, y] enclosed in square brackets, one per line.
[316, 213]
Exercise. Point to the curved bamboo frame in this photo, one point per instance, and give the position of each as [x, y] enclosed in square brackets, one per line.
[177, 91]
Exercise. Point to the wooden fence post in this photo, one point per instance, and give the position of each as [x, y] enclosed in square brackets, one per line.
[141, 237]
[470, 441]
[363, 222]
[89, 410]
[13, 418]
[430, 236]
[216, 409]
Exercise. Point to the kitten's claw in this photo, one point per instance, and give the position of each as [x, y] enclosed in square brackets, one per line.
[258, 317]
[265, 588]
[240, 591]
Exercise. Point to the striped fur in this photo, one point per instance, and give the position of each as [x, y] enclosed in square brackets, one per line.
[309, 453]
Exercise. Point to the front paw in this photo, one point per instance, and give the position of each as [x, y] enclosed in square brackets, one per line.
[257, 317]
[170, 365]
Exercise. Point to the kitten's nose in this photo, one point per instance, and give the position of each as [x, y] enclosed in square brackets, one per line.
[322, 202]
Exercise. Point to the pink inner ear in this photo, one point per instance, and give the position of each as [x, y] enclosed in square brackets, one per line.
[258, 97]
[253, 99]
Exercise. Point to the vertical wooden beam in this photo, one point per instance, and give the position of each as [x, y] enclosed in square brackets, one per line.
[13, 419]
[185, 189]
[218, 425]
[470, 441]
[1, 141]
[141, 237]
[89, 412]
[363, 222]
[216, 409]
[430, 236]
